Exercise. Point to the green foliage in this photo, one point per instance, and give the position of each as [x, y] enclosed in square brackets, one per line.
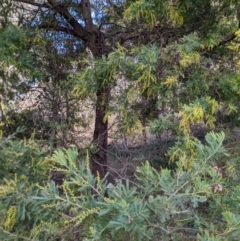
[141, 10]
[193, 149]
[201, 111]
[14, 120]
[22, 170]
[14, 47]
[160, 204]
[15, 59]
[21, 157]
[161, 124]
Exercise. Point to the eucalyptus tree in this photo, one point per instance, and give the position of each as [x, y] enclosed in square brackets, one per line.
[184, 33]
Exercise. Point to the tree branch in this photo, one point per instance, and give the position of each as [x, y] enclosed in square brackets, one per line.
[57, 28]
[227, 40]
[224, 41]
[232, 36]
[80, 31]
[86, 10]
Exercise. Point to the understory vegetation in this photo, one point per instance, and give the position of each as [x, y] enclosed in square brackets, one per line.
[119, 120]
[196, 200]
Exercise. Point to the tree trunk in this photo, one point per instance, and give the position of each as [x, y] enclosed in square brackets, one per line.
[100, 137]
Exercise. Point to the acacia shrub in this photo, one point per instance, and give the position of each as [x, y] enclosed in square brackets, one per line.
[193, 201]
